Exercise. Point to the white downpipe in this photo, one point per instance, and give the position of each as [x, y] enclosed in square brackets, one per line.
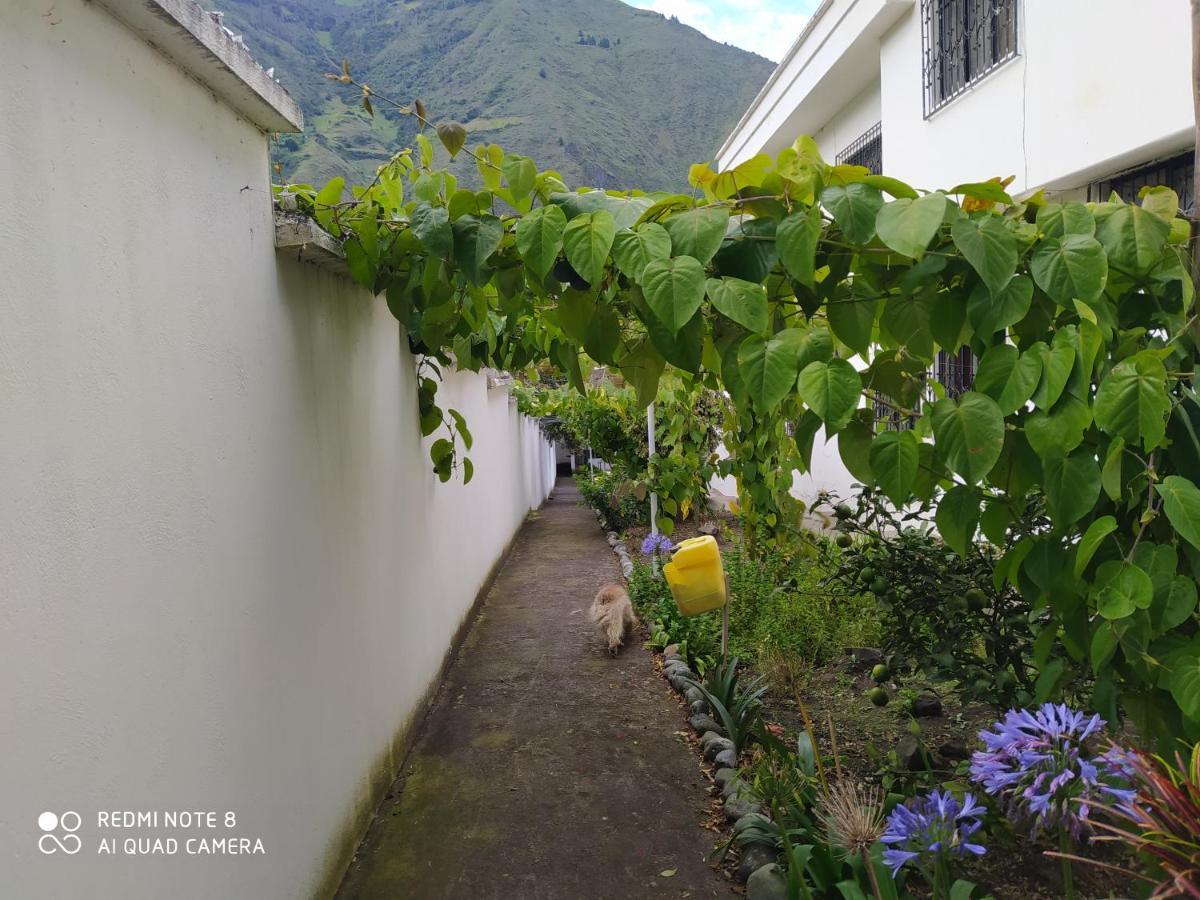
[650, 441]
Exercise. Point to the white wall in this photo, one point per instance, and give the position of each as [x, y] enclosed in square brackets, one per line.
[227, 573]
[850, 123]
[1099, 85]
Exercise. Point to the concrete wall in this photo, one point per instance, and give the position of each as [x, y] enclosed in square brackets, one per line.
[228, 576]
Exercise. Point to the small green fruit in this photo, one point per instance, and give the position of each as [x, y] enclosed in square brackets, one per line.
[958, 604]
[976, 599]
[878, 696]
[843, 540]
[879, 585]
[866, 574]
[843, 511]
[880, 673]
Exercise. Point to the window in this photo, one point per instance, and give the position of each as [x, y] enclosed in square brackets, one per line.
[865, 150]
[954, 371]
[963, 40]
[1175, 173]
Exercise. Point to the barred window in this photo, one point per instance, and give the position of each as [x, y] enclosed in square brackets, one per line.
[865, 150]
[1176, 173]
[963, 40]
[954, 371]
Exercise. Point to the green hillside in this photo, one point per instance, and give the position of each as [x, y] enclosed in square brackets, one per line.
[639, 100]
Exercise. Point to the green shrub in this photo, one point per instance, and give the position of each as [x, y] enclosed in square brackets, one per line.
[783, 605]
[608, 494]
[941, 612]
[779, 606]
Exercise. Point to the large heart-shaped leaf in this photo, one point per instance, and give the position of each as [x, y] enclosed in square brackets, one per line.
[853, 321]
[540, 238]
[894, 459]
[1008, 376]
[698, 233]
[1072, 486]
[633, 250]
[1120, 588]
[674, 289]
[831, 390]
[603, 335]
[958, 517]
[969, 434]
[908, 319]
[907, 226]
[992, 310]
[1133, 402]
[990, 248]
[476, 239]
[641, 367]
[587, 240]
[796, 242]
[1181, 503]
[1057, 363]
[1059, 430]
[1091, 540]
[1057, 219]
[1133, 237]
[854, 445]
[431, 226]
[1070, 267]
[769, 367]
[1185, 685]
[741, 301]
[854, 208]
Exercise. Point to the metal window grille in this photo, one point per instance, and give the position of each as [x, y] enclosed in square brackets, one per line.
[955, 372]
[865, 150]
[1176, 173]
[961, 41]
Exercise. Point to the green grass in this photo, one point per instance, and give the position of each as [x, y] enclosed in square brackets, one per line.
[780, 609]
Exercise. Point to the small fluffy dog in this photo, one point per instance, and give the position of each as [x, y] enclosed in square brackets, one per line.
[612, 614]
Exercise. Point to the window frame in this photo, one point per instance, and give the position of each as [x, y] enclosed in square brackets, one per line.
[945, 76]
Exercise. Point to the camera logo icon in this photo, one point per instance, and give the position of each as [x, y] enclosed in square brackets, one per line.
[51, 824]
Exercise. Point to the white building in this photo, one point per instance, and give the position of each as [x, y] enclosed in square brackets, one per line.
[1079, 97]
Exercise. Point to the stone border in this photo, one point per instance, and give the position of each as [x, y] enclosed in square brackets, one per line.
[757, 867]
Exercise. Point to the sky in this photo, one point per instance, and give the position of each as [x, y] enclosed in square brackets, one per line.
[767, 27]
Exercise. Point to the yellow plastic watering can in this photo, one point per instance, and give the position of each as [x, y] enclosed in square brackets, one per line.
[696, 577]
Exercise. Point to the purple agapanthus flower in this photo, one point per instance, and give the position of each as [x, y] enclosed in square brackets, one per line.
[657, 543]
[926, 830]
[1038, 764]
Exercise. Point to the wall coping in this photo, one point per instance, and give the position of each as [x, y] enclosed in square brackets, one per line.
[311, 243]
[196, 41]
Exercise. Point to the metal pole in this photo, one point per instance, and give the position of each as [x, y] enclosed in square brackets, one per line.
[725, 623]
[650, 441]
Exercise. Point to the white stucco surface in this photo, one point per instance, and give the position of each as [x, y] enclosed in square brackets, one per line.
[227, 573]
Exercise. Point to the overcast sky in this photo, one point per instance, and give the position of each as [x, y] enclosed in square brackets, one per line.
[768, 27]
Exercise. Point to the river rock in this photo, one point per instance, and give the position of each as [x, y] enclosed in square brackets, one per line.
[767, 883]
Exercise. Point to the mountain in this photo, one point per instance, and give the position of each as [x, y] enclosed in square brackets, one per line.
[609, 95]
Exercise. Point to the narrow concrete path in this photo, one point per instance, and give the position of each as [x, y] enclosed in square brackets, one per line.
[545, 769]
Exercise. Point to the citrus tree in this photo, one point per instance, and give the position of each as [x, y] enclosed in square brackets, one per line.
[804, 292]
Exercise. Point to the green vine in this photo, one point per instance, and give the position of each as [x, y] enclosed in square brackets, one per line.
[806, 293]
